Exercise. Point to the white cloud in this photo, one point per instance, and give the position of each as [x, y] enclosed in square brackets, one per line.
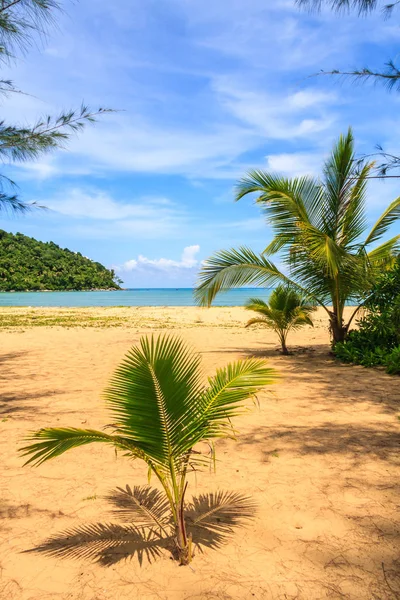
[99, 205]
[276, 117]
[299, 163]
[95, 214]
[188, 261]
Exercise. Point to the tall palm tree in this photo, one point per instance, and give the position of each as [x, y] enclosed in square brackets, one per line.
[318, 227]
[162, 410]
[286, 310]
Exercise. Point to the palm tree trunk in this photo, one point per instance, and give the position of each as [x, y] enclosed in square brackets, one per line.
[282, 338]
[338, 329]
[183, 541]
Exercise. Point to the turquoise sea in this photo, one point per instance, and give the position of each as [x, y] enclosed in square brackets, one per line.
[131, 297]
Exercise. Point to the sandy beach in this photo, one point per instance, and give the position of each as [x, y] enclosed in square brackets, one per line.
[319, 455]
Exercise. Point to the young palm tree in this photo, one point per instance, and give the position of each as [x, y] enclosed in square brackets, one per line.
[285, 310]
[318, 228]
[162, 410]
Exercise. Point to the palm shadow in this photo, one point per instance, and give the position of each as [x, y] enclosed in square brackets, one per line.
[210, 518]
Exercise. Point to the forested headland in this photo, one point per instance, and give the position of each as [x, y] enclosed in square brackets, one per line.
[29, 265]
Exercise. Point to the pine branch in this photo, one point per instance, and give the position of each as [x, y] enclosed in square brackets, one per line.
[390, 77]
[20, 20]
[19, 144]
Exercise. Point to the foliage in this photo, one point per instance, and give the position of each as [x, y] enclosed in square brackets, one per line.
[27, 264]
[319, 227]
[286, 309]
[21, 21]
[161, 411]
[377, 339]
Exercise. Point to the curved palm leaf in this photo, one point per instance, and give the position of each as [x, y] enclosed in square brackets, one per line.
[56, 441]
[236, 268]
[387, 218]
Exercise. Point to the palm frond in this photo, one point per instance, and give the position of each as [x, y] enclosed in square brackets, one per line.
[258, 321]
[52, 442]
[227, 391]
[385, 254]
[387, 218]
[339, 171]
[153, 396]
[353, 219]
[286, 309]
[235, 268]
[284, 202]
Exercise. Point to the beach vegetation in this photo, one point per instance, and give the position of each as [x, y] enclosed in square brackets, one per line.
[285, 310]
[164, 415]
[376, 341]
[320, 236]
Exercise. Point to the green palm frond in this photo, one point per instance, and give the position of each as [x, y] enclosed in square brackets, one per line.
[353, 218]
[52, 442]
[385, 254]
[152, 396]
[387, 218]
[160, 405]
[235, 268]
[259, 321]
[226, 392]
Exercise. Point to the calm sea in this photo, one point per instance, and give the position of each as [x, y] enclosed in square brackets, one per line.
[138, 297]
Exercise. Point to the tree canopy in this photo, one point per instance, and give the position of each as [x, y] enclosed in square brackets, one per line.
[320, 228]
[29, 265]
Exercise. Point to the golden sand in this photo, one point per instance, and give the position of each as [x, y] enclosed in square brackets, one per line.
[319, 455]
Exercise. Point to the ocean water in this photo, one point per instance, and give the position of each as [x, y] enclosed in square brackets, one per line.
[132, 297]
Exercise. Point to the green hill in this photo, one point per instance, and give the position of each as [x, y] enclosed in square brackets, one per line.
[29, 265]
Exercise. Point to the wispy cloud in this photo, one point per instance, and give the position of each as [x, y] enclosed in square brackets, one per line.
[299, 163]
[99, 205]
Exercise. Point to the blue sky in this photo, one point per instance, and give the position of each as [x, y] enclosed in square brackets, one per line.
[206, 92]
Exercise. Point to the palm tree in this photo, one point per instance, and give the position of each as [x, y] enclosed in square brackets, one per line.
[286, 309]
[318, 226]
[162, 410]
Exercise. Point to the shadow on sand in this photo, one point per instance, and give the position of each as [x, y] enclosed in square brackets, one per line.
[210, 520]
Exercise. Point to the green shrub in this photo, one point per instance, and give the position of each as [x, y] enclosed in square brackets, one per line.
[393, 362]
[376, 342]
